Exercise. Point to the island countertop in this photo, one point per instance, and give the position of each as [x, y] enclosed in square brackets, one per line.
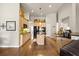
[75, 34]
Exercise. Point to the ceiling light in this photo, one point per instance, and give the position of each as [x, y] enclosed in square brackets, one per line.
[40, 23]
[50, 6]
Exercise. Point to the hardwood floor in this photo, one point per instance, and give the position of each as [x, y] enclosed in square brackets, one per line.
[9, 51]
[29, 49]
[35, 50]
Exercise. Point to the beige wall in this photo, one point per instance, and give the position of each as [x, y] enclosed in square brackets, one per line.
[50, 24]
[68, 10]
[77, 13]
[9, 12]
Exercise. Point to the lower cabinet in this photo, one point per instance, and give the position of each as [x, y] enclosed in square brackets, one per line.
[40, 39]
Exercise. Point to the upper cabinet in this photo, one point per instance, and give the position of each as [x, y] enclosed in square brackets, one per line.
[23, 19]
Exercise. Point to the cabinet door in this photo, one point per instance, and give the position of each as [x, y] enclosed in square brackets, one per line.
[40, 39]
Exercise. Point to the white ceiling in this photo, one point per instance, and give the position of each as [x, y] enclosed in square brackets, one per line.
[44, 8]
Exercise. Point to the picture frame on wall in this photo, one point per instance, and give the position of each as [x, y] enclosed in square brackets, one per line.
[10, 25]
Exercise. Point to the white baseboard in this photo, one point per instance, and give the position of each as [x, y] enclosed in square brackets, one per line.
[9, 46]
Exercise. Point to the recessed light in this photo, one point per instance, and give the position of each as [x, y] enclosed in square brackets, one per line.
[50, 6]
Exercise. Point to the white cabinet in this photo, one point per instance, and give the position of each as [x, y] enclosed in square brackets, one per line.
[40, 39]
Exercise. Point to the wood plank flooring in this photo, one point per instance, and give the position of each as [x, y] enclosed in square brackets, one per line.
[35, 50]
[29, 49]
[9, 51]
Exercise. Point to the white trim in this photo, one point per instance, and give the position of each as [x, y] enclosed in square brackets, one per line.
[9, 46]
